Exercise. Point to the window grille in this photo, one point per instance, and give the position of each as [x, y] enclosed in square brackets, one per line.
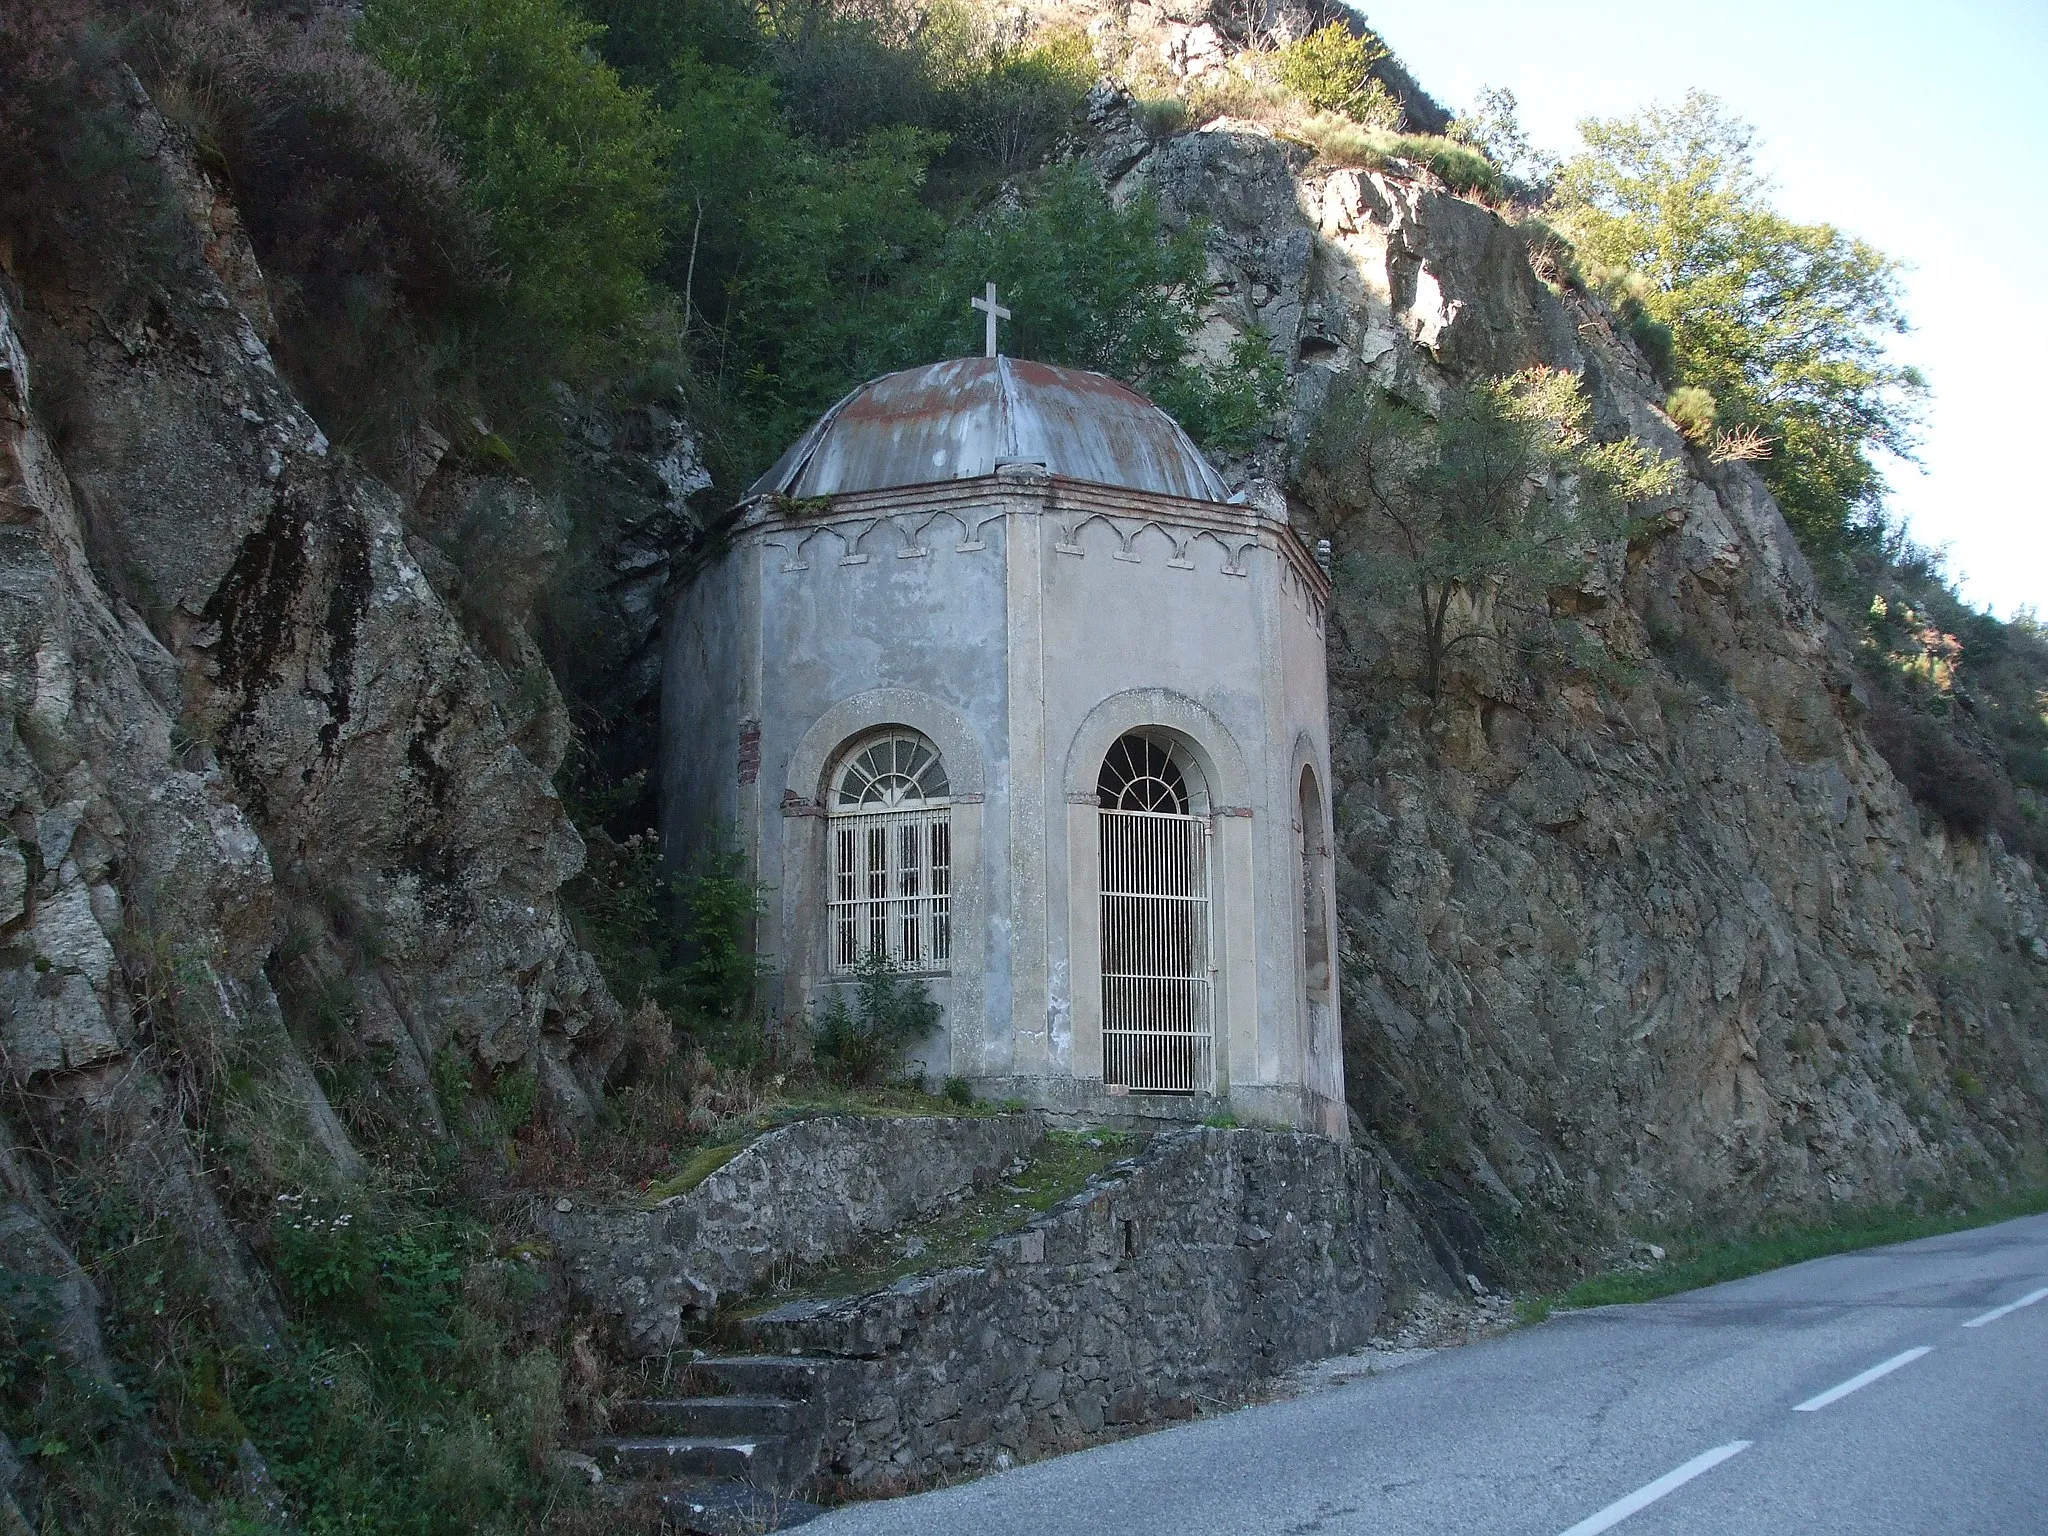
[892, 857]
[1158, 982]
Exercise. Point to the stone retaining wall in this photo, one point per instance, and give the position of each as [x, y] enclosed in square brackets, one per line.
[1210, 1262]
[802, 1195]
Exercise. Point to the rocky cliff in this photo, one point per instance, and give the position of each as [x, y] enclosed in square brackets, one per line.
[254, 766]
[1646, 936]
[1655, 936]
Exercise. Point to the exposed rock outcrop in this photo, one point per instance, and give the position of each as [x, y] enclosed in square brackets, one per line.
[290, 728]
[1657, 936]
[249, 758]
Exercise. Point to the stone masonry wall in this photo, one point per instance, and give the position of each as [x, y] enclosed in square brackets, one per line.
[1208, 1263]
[800, 1196]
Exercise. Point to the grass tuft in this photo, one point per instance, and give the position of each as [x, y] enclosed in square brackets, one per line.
[1697, 1262]
[703, 1163]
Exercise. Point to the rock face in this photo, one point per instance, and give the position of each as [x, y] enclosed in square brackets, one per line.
[1207, 1264]
[248, 757]
[240, 707]
[1657, 936]
[802, 1195]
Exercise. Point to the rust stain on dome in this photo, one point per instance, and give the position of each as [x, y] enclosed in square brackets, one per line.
[967, 417]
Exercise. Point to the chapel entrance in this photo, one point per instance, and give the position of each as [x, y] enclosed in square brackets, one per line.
[1158, 979]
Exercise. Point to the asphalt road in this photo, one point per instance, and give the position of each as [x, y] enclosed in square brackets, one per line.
[1719, 1411]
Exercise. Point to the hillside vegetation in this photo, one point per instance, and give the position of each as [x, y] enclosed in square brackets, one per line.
[495, 233]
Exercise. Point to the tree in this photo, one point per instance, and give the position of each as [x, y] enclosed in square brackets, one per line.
[1494, 128]
[569, 163]
[1786, 324]
[1093, 286]
[1494, 500]
[1331, 70]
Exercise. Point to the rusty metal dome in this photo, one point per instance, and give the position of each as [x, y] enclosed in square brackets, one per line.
[970, 416]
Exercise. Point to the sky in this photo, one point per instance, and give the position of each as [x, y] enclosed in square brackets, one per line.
[1921, 128]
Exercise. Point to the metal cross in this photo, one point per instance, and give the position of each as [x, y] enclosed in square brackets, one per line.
[988, 305]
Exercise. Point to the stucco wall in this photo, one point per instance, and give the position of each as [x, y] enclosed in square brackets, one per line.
[1023, 624]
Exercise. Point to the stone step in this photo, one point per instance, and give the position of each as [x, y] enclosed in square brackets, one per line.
[789, 1376]
[728, 1509]
[733, 1415]
[751, 1459]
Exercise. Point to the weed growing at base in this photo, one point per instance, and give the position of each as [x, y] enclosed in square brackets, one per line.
[1699, 1262]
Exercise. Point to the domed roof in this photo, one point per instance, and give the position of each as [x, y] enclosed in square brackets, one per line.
[964, 418]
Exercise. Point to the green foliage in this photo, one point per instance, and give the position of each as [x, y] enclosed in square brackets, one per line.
[683, 943]
[1161, 116]
[1339, 141]
[1228, 409]
[1494, 128]
[568, 162]
[1022, 96]
[1954, 696]
[1785, 323]
[644, 39]
[401, 1398]
[1703, 1259]
[891, 1010]
[1331, 69]
[1693, 411]
[406, 1404]
[1490, 503]
[719, 973]
[1093, 286]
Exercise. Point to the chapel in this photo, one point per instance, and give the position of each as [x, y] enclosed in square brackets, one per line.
[995, 678]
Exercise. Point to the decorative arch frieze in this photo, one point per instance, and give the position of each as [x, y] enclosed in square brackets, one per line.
[854, 541]
[1180, 541]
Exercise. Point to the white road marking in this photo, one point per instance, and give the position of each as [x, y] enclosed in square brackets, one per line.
[1836, 1394]
[2011, 1306]
[1650, 1493]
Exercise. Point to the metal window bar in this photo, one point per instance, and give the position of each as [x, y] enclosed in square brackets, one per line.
[892, 889]
[1158, 980]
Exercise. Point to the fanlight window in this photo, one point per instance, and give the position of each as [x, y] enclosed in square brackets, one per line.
[892, 856]
[895, 771]
[1141, 774]
[1157, 980]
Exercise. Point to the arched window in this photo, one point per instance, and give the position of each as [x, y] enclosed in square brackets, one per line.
[1157, 980]
[1315, 899]
[892, 854]
[1141, 773]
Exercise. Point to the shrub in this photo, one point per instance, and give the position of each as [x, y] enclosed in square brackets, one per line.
[1021, 97]
[1161, 116]
[718, 903]
[1692, 410]
[569, 162]
[1340, 141]
[1464, 519]
[891, 1011]
[355, 205]
[844, 68]
[1494, 128]
[1094, 286]
[1789, 324]
[1331, 70]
